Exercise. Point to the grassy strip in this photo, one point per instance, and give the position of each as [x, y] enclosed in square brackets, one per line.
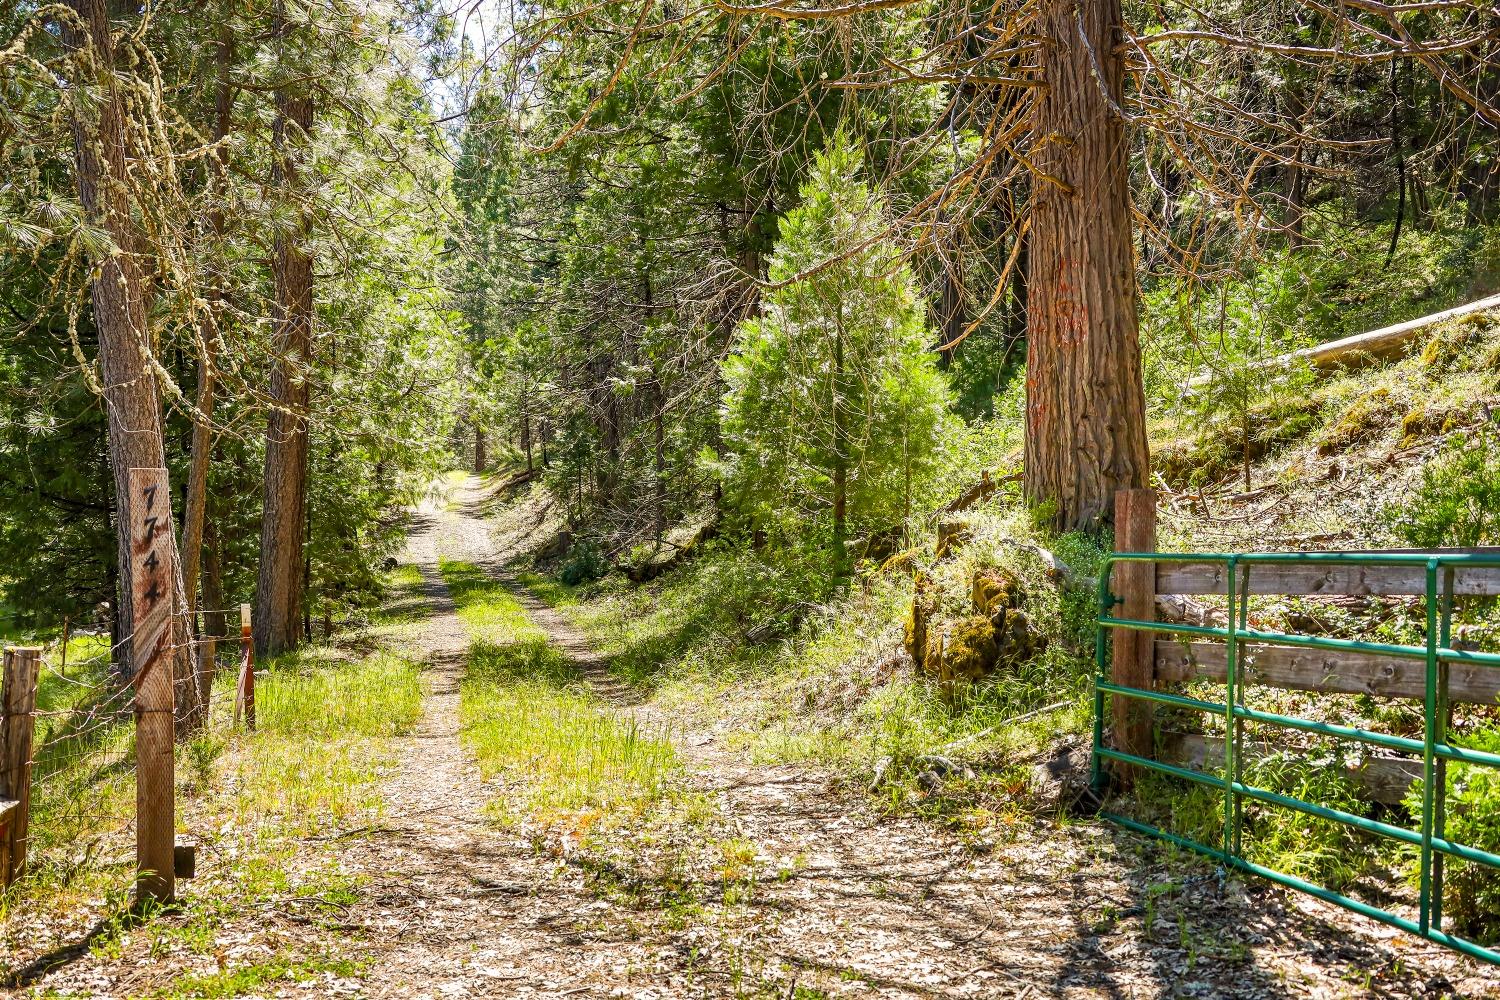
[527, 716]
[315, 761]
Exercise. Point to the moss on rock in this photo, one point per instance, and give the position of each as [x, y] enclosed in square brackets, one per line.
[951, 536]
[1427, 422]
[923, 605]
[1361, 421]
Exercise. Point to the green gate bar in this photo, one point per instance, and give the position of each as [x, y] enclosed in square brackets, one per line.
[1434, 748]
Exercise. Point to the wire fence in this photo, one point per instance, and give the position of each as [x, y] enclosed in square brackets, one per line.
[83, 759]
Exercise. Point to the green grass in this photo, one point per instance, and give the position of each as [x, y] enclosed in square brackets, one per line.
[802, 675]
[258, 978]
[379, 695]
[326, 716]
[528, 717]
[318, 752]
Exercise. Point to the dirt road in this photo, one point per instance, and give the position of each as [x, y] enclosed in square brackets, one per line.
[858, 904]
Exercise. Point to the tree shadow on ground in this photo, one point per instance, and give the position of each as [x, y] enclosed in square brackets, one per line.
[1177, 927]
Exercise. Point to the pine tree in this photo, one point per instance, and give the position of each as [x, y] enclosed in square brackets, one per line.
[834, 405]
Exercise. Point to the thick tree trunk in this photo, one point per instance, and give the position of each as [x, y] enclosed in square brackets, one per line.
[481, 458]
[202, 447]
[1085, 408]
[279, 593]
[130, 391]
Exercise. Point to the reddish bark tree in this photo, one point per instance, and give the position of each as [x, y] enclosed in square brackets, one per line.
[279, 590]
[1086, 410]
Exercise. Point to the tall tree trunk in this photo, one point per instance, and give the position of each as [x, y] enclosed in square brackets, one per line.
[279, 592]
[202, 447]
[1296, 175]
[215, 622]
[659, 421]
[481, 458]
[752, 264]
[130, 391]
[953, 311]
[1085, 412]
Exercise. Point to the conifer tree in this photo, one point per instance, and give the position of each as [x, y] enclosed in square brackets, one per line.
[834, 404]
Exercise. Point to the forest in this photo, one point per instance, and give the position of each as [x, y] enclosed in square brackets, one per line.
[696, 483]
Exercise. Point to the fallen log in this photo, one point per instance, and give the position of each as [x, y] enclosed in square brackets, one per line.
[1366, 348]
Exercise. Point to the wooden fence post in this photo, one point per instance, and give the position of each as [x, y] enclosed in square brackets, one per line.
[245, 696]
[17, 722]
[1134, 652]
[153, 554]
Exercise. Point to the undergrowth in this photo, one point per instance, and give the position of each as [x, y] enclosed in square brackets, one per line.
[804, 673]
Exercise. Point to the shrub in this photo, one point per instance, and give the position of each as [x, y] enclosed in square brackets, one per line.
[1458, 500]
[1471, 893]
[586, 561]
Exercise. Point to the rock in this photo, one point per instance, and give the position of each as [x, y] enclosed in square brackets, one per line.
[995, 591]
[1427, 422]
[997, 636]
[923, 606]
[1018, 640]
[951, 536]
[902, 562]
[676, 546]
[876, 546]
[1060, 783]
[969, 650]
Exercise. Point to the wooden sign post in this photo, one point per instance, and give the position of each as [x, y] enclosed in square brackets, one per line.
[17, 719]
[153, 555]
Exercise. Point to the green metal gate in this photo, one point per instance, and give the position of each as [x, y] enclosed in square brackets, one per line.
[1433, 748]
